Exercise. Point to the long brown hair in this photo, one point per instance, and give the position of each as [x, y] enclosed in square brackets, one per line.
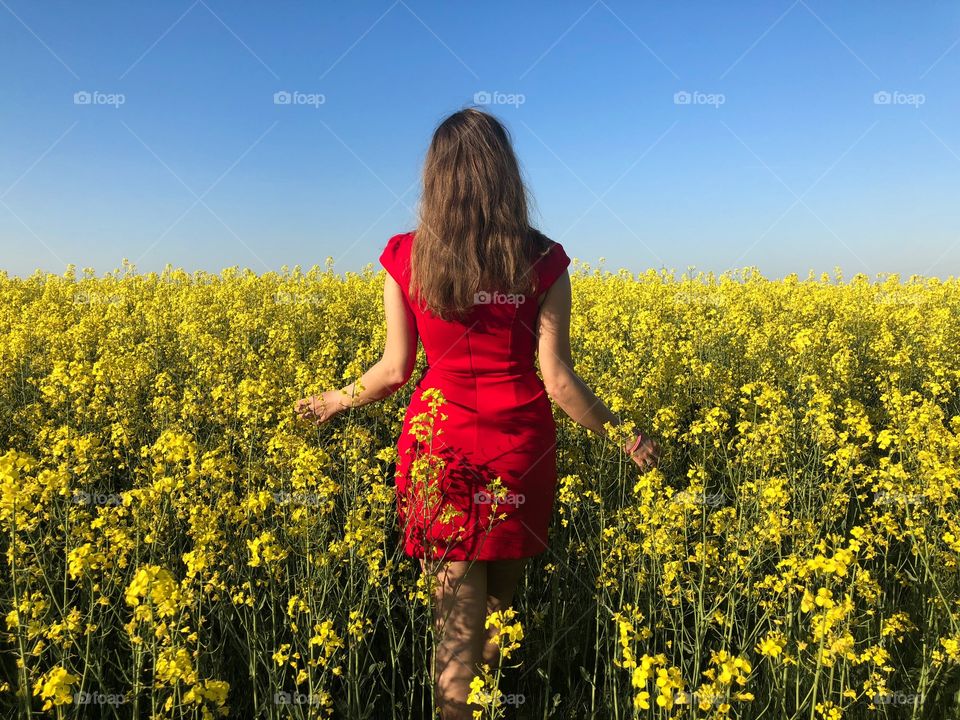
[474, 233]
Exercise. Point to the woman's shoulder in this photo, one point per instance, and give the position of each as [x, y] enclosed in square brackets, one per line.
[395, 256]
[398, 246]
[550, 259]
[548, 250]
[401, 239]
[543, 244]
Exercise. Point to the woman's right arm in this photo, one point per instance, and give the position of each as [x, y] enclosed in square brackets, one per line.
[563, 385]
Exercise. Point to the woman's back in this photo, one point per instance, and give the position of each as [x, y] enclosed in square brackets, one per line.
[496, 338]
[499, 423]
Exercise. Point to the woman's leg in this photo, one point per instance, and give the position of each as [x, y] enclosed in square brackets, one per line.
[459, 615]
[503, 576]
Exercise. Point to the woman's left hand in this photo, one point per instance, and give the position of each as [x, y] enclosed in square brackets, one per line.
[319, 408]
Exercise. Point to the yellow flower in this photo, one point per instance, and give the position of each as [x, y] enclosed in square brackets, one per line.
[264, 549]
[175, 665]
[508, 636]
[772, 645]
[54, 688]
[641, 701]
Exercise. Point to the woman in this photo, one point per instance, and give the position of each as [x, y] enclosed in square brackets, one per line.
[485, 293]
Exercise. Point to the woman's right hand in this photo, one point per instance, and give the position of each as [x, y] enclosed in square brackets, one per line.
[319, 409]
[644, 451]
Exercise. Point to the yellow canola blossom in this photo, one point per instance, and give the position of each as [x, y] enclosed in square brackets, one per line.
[166, 520]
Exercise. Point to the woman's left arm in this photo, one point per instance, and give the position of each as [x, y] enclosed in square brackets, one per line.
[384, 377]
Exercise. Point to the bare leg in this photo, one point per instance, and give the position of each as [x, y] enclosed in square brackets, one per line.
[503, 576]
[459, 614]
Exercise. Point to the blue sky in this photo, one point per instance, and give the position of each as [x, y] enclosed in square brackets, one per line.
[788, 136]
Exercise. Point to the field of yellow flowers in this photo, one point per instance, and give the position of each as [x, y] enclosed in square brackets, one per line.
[176, 544]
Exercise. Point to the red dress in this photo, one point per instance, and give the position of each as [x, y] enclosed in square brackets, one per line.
[498, 424]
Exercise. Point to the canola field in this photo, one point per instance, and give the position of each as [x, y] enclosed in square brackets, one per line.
[176, 544]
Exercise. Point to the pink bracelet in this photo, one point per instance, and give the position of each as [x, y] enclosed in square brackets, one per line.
[636, 444]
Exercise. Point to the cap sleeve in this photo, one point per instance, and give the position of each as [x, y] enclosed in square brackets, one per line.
[551, 266]
[395, 259]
